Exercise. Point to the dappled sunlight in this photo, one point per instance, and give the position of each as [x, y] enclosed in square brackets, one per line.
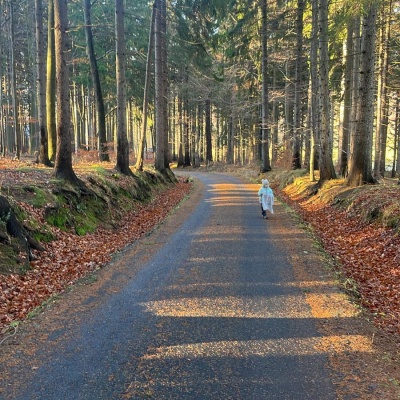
[265, 348]
[229, 188]
[229, 307]
[331, 305]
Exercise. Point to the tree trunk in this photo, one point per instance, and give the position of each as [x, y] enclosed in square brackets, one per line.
[314, 115]
[382, 118]
[265, 158]
[326, 168]
[298, 83]
[347, 103]
[396, 140]
[100, 112]
[361, 142]
[209, 157]
[63, 163]
[164, 78]
[122, 142]
[397, 137]
[51, 85]
[41, 85]
[161, 161]
[150, 50]
[180, 162]
[15, 107]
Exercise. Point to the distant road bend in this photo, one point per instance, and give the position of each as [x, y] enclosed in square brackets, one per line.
[214, 313]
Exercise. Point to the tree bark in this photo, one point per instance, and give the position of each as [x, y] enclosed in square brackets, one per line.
[41, 85]
[51, 85]
[149, 61]
[161, 159]
[63, 163]
[347, 103]
[298, 83]
[382, 107]
[100, 112]
[16, 125]
[265, 129]
[361, 142]
[326, 168]
[122, 142]
[209, 157]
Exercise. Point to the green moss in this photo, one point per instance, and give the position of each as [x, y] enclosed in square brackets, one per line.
[59, 218]
[105, 199]
[40, 198]
[43, 236]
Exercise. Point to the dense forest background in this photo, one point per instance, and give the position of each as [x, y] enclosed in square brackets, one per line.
[300, 84]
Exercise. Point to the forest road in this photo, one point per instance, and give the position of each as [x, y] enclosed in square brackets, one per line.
[205, 307]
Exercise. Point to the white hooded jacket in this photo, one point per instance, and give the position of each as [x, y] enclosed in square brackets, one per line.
[266, 196]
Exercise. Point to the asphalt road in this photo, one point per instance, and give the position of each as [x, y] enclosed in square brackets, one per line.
[213, 314]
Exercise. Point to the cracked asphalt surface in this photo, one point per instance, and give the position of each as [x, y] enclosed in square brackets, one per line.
[207, 308]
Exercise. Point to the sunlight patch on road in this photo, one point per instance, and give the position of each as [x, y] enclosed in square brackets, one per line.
[230, 307]
[331, 305]
[265, 348]
[230, 187]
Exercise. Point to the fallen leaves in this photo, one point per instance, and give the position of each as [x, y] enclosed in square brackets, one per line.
[369, 253]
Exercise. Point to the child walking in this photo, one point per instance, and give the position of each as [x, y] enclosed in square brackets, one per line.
[266, 196]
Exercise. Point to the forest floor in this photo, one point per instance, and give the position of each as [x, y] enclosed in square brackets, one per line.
[358, 229]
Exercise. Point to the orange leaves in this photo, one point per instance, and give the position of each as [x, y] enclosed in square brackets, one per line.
[71, 257]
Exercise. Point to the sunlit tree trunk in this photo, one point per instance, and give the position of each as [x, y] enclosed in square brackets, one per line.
[326, 168]
[149, 62]
[382, 107]
[41, 84]
[347, 103]
[51, 85]
[63, 163]
[314, 109]
[360, 167]
[397, 139]
[298, 84]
